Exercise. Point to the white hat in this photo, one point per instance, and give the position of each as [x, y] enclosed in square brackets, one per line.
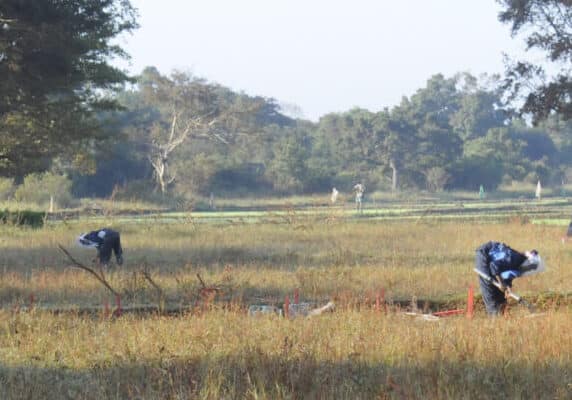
[82, 241]
[533, 264]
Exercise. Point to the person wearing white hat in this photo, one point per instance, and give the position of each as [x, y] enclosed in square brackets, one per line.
[503, 264]
[359, 190]
[105, 241]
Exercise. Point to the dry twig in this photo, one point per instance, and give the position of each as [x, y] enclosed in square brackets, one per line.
[100, 278]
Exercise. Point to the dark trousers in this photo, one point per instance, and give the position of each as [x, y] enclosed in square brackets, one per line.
[111, 243]
[492, 297]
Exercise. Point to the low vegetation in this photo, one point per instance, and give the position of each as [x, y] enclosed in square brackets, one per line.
[210, 349]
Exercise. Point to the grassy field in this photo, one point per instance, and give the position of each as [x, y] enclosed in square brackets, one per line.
[214, 350]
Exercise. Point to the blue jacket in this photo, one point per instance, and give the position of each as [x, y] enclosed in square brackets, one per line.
[503, 261]
[93, 238]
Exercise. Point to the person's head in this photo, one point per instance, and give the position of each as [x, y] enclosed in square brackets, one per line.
[83, 241]
[533, 263]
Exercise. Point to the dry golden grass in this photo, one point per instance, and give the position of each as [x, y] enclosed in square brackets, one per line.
[222, 354]
[219, 353]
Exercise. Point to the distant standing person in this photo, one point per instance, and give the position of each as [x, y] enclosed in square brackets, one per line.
[335, 194]
[359, 190]
[211, 201]
[105, 241]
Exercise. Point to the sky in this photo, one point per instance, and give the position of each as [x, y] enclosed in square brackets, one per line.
[320, 56]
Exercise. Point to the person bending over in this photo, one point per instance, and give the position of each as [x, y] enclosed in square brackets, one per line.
[503, 264]
[105, 241]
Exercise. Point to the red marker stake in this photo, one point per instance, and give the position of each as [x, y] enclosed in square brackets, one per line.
[118, 311]
[470, 302]
[106, 309]
[286, 305]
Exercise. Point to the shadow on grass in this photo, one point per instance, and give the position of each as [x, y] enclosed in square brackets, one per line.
[279, 257]
[255, 374]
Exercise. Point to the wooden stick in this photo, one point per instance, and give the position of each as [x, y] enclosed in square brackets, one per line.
[160, 291]
[91, 271]
[201, 281]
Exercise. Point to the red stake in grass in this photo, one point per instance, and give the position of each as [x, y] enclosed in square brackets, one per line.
[448, 313]
[286, 305]
[470, 302]
[382, 300]
[118, 311]
[32, 300]
[106, 309]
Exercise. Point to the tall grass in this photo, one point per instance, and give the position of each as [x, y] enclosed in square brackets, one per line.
[217, 352]
[346, 355]
[426, 259]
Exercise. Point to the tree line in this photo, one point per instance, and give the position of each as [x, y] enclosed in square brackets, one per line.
[179, 134]
[66, 110]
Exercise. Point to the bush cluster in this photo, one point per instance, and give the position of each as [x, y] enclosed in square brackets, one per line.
[34, 219]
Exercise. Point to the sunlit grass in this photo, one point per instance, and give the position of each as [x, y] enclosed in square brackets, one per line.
[348, 354]
[214, 351]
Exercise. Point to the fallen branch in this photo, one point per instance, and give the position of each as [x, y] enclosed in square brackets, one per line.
[91, 271]
[207, 293]
[160, 291]
[201, 281]
[318, 311]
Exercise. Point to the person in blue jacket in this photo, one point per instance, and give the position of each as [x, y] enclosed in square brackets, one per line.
[105, 241]
[503, 264]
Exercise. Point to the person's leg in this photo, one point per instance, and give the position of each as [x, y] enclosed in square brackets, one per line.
[114, 240]
[104, 253]
[118, 250]
[492, 297]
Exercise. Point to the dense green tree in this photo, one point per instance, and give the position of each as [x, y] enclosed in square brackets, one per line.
[432, 108]
[471, 171]
[560, 132]
[54, 64]
[502, 148]
[480, 109]
[289, 169]
[396, 141]
[437, 102]
[351, 140]
[546, 26]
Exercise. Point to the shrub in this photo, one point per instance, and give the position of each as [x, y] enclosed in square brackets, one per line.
[39, 188]
[437, 178]
[34, 219]
[6, 188]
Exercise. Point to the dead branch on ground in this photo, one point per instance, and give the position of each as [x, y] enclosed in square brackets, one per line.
[160, 291]
[100, 278]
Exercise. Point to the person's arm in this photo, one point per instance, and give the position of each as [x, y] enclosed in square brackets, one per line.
[495, 271]
[501, 282]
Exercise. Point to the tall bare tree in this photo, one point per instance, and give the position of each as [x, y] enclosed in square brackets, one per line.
[179, 132]
[189, 108]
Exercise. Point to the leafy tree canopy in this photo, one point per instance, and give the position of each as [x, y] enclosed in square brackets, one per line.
[55, 74]
[547, 26]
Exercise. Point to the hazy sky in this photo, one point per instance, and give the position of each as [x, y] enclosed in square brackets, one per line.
[321, 55]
